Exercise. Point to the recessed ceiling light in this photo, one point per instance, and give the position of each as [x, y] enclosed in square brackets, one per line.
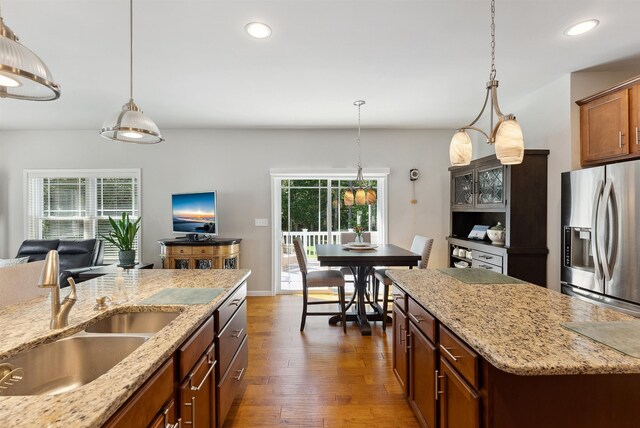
[581, 27]
[258, 30]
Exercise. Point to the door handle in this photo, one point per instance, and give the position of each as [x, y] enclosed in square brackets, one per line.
[637, 136]
[197, 388]
[620, 139]
[595, 231]
[602, 230]
[437, 382]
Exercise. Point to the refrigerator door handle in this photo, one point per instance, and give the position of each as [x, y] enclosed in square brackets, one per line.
[594, 229]
[603, 230]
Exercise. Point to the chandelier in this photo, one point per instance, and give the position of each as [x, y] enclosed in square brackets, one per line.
[364, 194]
[23, 75]
[506, 135]
[130, 125]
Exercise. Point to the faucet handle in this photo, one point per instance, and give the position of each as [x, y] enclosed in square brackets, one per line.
[101, 303]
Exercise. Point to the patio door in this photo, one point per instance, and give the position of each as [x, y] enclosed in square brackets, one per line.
[310, 207]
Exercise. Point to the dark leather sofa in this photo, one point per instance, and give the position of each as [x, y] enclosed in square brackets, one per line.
[75, 256]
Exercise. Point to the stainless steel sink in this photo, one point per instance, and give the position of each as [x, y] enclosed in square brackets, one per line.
[66, 364]
[133, 322]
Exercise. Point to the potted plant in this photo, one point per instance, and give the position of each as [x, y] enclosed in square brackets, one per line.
[123, 237]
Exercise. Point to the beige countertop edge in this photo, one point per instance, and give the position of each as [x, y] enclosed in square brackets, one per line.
[94, 403]
[598, 359]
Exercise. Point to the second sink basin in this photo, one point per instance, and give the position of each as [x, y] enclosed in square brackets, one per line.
[66, 364]
[133, 322]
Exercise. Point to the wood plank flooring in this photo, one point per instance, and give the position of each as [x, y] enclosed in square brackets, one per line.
[318, 378]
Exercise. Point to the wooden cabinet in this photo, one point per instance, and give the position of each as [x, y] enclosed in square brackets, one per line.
[514, 195]
[423, 362]
[610, 125]
[190, 389]
[459, 403]
[400, 356]
[218, 254]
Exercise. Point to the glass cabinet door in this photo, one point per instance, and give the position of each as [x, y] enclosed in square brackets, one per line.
[490, 187]
[463, 189]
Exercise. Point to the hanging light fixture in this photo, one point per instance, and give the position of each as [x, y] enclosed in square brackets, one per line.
[506, 135]
[130, 125]
[23, 75]
[364, 194]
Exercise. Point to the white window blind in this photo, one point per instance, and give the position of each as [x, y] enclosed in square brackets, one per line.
[76, 204]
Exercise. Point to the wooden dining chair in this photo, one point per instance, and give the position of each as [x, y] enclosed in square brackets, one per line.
[322, 278]
[420, 245]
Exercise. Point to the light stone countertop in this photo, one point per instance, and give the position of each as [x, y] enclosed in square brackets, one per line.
[517, 327]
[26, 325]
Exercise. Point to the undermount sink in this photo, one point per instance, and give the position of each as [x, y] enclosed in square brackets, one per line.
[133, 322]
[66, 364]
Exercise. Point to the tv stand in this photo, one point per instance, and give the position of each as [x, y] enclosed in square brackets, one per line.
[218, 253]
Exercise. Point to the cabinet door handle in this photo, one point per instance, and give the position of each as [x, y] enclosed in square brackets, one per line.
[176, 425]
[637, 136]
[415, 318]
[407, 346]
[448, 352]
[239, 333]
[401, 336]
[239, 375]
[437, 382]
[197, 388]
[620, 139]
[193, 412]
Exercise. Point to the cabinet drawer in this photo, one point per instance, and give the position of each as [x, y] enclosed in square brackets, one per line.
[399, 298]
[230, 384]
[489, 258]
[230, 338]
[461, 357]
[226, 310]
[195, 393]
[198, 250]
[180, 250]
[484, 265]
[143, 408]
[191, 351]
[423, 320]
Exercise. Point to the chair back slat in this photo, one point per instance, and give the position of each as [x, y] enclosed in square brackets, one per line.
[300, 255]
[422, 245]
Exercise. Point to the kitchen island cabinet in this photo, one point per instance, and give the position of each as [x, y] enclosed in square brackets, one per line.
[151, 386]
[497, 356]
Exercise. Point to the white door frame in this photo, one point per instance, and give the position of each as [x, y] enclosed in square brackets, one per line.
[279, 174]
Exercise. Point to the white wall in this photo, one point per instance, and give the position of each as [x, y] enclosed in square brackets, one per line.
[237, 164]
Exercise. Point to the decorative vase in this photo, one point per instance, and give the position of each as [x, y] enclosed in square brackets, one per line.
[127, 258]
[359, 239]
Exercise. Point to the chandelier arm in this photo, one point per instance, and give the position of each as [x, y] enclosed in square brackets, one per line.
[475, 128]
[494, 100]
[484, 106]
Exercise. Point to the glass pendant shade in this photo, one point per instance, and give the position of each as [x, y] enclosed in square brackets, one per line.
[509, 143]
[131, 126]
[23, 75]
[361, 197]
[460, 149]
[348, 198]
[371, 197]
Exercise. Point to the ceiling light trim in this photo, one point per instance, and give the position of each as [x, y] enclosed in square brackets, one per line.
[575, 30]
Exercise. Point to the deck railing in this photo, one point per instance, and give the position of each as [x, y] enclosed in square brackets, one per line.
[311, 239]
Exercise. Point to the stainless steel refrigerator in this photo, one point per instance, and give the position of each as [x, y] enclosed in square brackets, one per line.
[601, 235]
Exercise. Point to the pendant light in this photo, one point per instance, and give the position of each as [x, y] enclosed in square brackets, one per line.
[130, 125]
[506, 135]
[363, 193]
[23, 75]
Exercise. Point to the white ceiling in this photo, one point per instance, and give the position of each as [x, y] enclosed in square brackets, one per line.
[418, 64]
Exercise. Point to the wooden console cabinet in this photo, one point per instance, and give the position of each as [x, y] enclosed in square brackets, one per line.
[221, 253]
[610, 124]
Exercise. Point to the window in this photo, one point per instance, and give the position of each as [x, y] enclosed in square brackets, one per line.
[76, 204]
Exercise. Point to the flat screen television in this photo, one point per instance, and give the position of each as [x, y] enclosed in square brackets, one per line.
[195, 213]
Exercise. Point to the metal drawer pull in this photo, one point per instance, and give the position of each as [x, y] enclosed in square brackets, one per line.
[485, 266]
[235, 302]
[438, 392]
[239, 333]
[415, 318]
[482, 256]
[213, 364]
[447, 351]
[239, 375]
[176, 425]
[637, 137]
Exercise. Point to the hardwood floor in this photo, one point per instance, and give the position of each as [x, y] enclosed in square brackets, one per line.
[318, 378]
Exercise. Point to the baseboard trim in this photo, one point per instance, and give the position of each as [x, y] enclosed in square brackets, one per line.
[265, 293]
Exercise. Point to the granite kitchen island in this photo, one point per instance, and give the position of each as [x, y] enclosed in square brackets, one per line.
[26, 325]
[497, 355]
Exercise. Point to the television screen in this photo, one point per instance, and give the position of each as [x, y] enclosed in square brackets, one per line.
[195, 213]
